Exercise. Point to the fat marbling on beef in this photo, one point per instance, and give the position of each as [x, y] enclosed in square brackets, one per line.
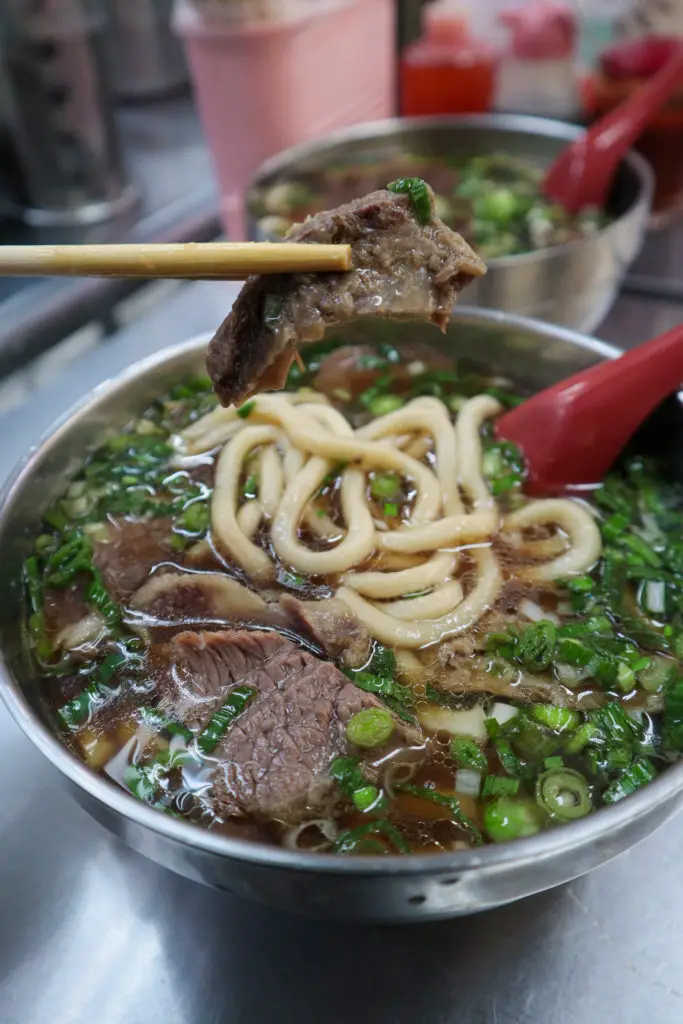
[274, 760]
[401, 269]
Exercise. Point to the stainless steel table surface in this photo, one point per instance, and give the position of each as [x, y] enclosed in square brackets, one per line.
[92, 932]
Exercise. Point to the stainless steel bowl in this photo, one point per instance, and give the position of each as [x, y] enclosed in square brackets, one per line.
[574, 284]
[388, 888]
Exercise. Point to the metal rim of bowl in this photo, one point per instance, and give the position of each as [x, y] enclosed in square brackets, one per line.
[523, 123]
[537, 848]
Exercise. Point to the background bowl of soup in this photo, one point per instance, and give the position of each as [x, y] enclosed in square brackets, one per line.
[484, 169]
[389, 887]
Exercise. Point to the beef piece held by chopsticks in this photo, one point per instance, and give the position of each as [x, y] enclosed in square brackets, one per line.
[407, 265]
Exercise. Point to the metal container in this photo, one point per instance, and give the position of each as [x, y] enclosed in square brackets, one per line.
[146, 57]
[384, 889]
[59, 112]
[573, 284]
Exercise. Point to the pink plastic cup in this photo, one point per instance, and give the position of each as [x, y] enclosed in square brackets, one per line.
[265, 85]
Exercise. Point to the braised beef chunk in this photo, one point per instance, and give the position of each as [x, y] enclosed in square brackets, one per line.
[130, 553]
[401, 269]
[274, 759]
[195, 671]
[331, 625]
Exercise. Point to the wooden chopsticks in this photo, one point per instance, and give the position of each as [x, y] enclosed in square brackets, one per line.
[226, 260]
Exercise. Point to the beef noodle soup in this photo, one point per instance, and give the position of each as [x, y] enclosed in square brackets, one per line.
[330, 619]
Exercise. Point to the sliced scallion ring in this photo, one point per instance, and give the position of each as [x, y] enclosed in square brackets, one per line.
[564, 794]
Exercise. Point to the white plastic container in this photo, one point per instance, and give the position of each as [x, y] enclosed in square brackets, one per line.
[268, 75]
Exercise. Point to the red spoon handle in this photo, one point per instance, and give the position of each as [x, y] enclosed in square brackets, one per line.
[572, 433]
[582, 173]
[618, 130]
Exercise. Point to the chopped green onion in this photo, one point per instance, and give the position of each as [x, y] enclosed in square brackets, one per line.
[556, 718]
[467, 754]
[508, 759]
[603, 761]
[292, 579]
[81, 708]
[672, 724]
[503, 466]
[245, 411]
[381, 405]
[349, 841]
[219, 723]
[419, 197]
[554, 762]
[589, 732]
[564, 794]
[640, 772]
[250, 487]
[496, 785]
[385, 485]
[366, 798]
[510, 817]
[347, 773]
[390, 509]
[500, 205]
[654, 676]
[370, 727]
[450, 802]
[379, 679]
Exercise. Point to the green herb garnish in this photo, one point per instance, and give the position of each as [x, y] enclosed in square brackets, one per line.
[417, 189]
[219, 724]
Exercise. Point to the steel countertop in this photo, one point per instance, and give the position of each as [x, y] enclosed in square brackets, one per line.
[91, 931]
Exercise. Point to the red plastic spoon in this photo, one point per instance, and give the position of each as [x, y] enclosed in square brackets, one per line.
[572, 432]
[583, 172]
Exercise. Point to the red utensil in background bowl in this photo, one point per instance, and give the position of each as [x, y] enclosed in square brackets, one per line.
[623, 69]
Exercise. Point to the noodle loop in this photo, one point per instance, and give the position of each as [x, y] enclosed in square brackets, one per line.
[319, 511]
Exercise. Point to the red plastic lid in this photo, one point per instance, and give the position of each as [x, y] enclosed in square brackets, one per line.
[542, 30]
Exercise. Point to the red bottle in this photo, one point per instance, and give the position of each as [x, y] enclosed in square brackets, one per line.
[447, 71]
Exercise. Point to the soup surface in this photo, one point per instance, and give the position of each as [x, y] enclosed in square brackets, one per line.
[330, 619]
[494, 201]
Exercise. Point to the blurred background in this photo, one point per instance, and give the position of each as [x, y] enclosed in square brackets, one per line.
[148, 120]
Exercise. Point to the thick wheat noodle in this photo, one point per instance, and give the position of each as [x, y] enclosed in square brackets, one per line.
[547, 547]
[428, 606]
[330, 418]
[249, 516]
[392, 561]
[467, 433]
[319, 525]
[584, 536]
[409, 665]
[416, 447]
[271, 482]
[217, 426]
[425, 415]
[293, 461]
[305, 432]
[359, 540]
[449, 532]
[396, 633]
[224, 523]
[403, 581]
[322, 525]
[212, 438]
